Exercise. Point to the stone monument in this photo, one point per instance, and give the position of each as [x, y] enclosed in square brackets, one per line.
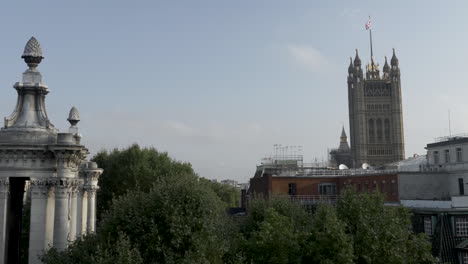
[50, 167]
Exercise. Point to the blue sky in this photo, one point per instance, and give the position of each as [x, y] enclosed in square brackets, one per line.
[217, 83]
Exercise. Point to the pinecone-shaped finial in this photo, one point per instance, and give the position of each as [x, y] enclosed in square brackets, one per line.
[74, 116]
[32, 54]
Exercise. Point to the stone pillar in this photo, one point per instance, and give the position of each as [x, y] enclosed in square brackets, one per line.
[72, 214]
[84, 212]
[4, 195]
[37, 233]
[79, 211]
[91, 210]
[49, 237]
[61, 221]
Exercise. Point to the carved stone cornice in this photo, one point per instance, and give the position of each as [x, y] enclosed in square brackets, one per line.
[26, 158]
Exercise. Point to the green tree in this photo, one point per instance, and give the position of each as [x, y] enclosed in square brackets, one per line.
[381, 234]
[328, 242]
[228, 194]
[180, 220]
[90, 249]
[272, 232]
[134, 168]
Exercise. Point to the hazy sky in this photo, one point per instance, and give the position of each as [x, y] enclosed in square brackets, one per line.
[217, 83]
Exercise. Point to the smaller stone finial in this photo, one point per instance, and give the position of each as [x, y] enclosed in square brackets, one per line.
[357, 60]
[394, 60]
[350, 68]
[32, 54]
[74, 116]
[386, 67]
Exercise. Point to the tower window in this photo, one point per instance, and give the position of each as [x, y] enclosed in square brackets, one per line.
[387, 130]
[447, 156]
[459, 155]
[379, 130]
[371, 131]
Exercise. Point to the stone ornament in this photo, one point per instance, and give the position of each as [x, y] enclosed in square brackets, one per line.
[74, 116]
[32, 54]
[32, 48]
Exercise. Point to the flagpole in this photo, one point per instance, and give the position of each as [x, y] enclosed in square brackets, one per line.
[370, 37]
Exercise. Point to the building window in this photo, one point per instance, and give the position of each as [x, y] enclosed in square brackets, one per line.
[459, 155]
[374, 186]
[461, 187]
[371, 131]
[461, 226]
[383, 187]
[393, 187]
[428, 225]
[447, 156]
[367, 187]
[359, 187]
[436, 157]
[327, 189]
[291, 188]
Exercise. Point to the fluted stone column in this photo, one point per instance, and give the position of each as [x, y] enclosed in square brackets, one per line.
[84, 211]
[73, 213]
[61, 222]
[49, 236]
[79, 211]
[37, 233]
[91, 210]
[4, 195]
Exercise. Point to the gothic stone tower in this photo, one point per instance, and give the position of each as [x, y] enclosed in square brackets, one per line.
[375, 113]
[51, 166]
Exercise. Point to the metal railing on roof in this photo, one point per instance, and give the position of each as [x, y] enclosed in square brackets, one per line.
[334, 173]
[447, 138]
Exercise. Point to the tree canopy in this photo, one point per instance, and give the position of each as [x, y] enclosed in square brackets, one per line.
[162, 212]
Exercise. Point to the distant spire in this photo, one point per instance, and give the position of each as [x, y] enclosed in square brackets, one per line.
[350, 68]
[394, 60]
[386, 67]
[343, 137]
[357, 60]
[344, 147]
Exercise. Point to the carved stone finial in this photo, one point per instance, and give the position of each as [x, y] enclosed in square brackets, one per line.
[74, 116]
[32, 54]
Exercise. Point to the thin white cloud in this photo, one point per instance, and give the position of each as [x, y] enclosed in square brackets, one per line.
[309, 57]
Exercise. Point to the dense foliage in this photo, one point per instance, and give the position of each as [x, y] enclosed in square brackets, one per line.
[182, 218]
[134, 169]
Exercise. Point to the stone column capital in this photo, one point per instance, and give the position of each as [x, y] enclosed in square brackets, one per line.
[63, 187]
[39, 189]
[91, 190]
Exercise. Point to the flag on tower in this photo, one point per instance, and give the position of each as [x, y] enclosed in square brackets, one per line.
[368, 24]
